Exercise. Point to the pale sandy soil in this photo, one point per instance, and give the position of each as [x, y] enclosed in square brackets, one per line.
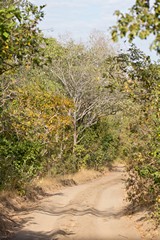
[92, 211]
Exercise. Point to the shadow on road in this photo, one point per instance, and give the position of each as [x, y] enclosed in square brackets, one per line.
[62, 234]
[57, 235]
[29, 235]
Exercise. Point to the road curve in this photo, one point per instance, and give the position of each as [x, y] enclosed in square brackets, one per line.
[92, 211]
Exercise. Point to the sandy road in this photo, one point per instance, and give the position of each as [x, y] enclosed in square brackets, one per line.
[91, 211]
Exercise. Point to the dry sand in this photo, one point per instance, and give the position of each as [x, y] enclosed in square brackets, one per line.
[92, 211]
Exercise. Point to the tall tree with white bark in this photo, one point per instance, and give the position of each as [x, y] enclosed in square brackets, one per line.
[88, 76]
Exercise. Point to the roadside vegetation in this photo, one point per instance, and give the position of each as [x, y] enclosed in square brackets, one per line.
[67, 106]
[141, 21]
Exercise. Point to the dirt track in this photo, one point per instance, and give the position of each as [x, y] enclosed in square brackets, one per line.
[91, 211]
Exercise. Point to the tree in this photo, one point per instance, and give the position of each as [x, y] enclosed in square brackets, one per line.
[20, 38]
[143, 86]
[142, 21]
[85, 75]
[33, 125]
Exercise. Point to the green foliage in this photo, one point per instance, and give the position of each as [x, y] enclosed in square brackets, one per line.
[143, 166]
[20, 161]
[34, 122]
[20, 38]
[101, 144]
[141, 21]
[98, 148]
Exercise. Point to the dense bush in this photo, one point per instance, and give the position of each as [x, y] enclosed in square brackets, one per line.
[98, 148]
[20, 161]
[144, 152]
[34, 123]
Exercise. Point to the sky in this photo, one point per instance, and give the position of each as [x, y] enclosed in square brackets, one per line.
[81, 17]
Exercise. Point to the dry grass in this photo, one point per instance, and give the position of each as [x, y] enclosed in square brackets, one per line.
[86, 175]
[52, 184]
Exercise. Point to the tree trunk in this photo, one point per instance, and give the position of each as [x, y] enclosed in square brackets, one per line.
[75, 130]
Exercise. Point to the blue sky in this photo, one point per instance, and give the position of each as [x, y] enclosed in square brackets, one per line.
[80, 17]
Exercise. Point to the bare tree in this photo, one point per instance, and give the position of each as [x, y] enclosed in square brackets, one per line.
[84, 73]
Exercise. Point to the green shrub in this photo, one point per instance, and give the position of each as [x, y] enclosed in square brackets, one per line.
[20, 161]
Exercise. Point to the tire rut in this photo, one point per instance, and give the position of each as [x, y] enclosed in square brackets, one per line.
[91, 211]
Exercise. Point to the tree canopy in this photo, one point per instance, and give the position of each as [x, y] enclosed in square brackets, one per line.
[20, 38]
[141, 21]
